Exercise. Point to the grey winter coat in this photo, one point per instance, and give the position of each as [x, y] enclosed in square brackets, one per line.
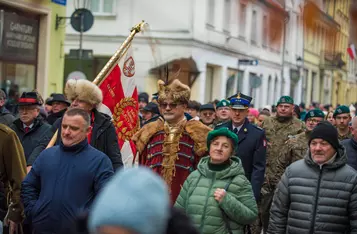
[316, 201]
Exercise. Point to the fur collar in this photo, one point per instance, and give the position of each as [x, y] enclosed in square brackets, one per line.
[197, 131]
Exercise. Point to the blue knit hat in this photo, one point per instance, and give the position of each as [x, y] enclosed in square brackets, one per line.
[136, 199]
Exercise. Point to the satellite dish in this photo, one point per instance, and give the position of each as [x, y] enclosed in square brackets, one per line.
[76, 75]
[88, 19]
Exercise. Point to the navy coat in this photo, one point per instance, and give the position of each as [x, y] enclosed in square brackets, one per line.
[351, 150]
[104, 138]
[62, 183]
[251, 150]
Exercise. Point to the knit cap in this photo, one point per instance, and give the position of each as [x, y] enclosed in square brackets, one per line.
[136, 199]
[326, 131]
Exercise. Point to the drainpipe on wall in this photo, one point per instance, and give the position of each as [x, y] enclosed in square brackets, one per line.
[284, 45]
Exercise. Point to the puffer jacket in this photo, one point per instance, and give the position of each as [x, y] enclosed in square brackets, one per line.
[197, 198]
[316, 200]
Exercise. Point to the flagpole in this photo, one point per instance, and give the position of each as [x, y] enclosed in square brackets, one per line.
[109, 66]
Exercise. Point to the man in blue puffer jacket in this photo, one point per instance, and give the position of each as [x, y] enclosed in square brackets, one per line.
[65, 179]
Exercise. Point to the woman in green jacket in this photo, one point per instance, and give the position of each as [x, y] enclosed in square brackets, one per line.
[217, 196]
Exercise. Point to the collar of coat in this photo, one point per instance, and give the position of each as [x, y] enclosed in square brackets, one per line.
[197, 131]
[339, 160]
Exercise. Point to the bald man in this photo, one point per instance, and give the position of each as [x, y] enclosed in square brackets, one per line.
[351, 145]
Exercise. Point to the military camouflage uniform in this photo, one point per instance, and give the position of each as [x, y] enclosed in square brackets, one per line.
[295, 149]
[277, 135]
[344, 137]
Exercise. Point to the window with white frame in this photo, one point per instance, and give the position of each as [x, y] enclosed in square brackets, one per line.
[102, 7]
[210, 12]
[242, 19]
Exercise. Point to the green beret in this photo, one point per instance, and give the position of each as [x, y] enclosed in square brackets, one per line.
[314, 113]
[222, 132]
[285, 99]
[341, 110]
[223, 103]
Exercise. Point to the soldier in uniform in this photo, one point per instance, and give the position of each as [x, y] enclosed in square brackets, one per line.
[223, 112]
[297, 146]
[342, 118]
[278, 129]
[172, 146]
[251, 148]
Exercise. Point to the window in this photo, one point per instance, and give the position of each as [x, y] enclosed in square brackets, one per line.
[242, 20]
[102, 7]
[253, 34]
[227, 15]
[210, 12]
[234, 82]
[265, 31]
[209, 83]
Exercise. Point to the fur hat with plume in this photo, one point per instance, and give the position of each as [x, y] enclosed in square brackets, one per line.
[177, 91]
[83, 90]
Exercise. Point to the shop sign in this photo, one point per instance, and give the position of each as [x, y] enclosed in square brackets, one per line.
[60, 2]
[19, 37]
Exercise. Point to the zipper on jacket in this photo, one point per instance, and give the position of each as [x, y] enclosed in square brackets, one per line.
[205, 207]
[312, 227]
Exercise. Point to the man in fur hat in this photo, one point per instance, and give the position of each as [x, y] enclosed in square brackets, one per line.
[174, 146]
[85, 95]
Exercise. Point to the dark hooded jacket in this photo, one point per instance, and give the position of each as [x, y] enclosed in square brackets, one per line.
[6, 117]
[316, 199]
[104, 137]
[34, 141]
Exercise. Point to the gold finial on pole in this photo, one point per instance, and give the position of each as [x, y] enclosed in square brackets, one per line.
[110, 64]
[118, 54]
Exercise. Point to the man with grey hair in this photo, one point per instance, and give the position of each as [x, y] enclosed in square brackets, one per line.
[351, 145]
[31, 129]
[6, 117]
[66, 178]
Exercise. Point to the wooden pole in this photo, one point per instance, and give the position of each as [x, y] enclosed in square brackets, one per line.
[109, 66]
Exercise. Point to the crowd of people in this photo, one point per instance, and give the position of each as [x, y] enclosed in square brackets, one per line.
[220, 167]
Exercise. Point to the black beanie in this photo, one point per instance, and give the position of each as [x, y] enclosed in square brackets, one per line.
[326, 131]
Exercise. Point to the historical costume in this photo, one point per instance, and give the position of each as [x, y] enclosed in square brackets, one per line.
[172, 150]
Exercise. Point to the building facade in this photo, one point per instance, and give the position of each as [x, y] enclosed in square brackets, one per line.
[319, 53]
[207, 38]
[31, 54]
[344, 77]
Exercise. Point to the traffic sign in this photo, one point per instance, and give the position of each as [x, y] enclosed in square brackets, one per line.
[248, 62]
[255, 81]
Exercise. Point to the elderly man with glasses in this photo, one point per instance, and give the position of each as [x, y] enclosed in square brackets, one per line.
[172, 147]
[34, 133]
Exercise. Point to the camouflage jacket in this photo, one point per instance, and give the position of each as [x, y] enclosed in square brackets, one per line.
[294, 150]
[346, 136]
[277, 135]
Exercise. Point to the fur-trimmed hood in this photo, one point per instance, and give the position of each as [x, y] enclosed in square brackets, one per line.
[83, 90]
